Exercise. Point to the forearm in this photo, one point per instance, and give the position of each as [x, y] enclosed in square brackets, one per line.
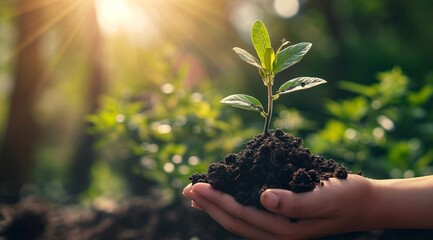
[402, 203]
[354, 204]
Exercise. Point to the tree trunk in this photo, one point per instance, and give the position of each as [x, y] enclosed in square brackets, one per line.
[16, 152]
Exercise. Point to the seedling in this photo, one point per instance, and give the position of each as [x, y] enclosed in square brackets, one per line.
[269, 64]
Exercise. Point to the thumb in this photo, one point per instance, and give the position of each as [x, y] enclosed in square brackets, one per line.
[293, 205]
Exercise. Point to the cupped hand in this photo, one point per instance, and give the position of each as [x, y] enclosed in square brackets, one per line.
[337, 206]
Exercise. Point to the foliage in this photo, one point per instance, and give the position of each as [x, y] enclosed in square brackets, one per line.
[166, 135]
[345, 34]
[385, 130]
[269, 64]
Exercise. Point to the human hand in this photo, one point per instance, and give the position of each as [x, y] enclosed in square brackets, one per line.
[337, 206]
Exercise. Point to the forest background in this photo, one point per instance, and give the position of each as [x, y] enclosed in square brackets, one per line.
[101, 101]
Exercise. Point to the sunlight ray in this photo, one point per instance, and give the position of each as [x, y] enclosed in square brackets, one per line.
[184, 28]
[204, 13]
[32, 6]
[39, 32]
[68, 40]
[193, 33]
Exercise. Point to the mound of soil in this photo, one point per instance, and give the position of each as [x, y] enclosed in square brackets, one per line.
[277, 160]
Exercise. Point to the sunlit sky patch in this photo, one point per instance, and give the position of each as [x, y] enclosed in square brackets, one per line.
[243, 16]
[122, 15]
[244, 13]
[286, 8]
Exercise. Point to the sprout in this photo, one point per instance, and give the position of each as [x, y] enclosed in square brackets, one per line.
[269, 63]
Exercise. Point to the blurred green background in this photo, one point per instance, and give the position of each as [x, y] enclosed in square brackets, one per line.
[109, 99]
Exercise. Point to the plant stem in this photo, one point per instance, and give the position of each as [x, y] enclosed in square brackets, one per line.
[270, 106]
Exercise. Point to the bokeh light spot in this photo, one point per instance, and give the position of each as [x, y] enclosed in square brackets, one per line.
[167, 88]
[193, 160]
[378, 132]
[177, 159]
[184, 170]
[120, 118]
[350, 133]
[286, 8]
[385, 122]
[168, 167]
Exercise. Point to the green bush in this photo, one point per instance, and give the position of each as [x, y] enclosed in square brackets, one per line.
[385, 130]
[165, 135]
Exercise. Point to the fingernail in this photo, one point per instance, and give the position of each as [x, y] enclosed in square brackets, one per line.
[195, 205]
[270, 200]
[186, 190]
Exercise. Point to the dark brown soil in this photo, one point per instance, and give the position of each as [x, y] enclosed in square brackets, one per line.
[138, 219]
[278, 160]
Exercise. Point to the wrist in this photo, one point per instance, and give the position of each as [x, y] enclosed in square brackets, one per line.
[367, 204]
[402, 204]
[376, 213]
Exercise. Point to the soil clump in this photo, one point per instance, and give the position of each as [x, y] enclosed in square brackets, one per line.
[276, 160]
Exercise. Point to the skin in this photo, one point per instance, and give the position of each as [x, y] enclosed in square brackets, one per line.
[354, 204]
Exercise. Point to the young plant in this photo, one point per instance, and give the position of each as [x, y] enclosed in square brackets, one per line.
[270, 63]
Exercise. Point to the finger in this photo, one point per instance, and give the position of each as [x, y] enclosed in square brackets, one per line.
[278, 227]
[230, 222]
[186, 191]
[196, 205]
[318, 203]
[260, 219]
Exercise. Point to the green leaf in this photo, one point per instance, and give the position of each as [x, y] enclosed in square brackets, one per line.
[269, 58]
[299, 83]
[290, 55]
[261, 40]
[247, 57]
[243, 101]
